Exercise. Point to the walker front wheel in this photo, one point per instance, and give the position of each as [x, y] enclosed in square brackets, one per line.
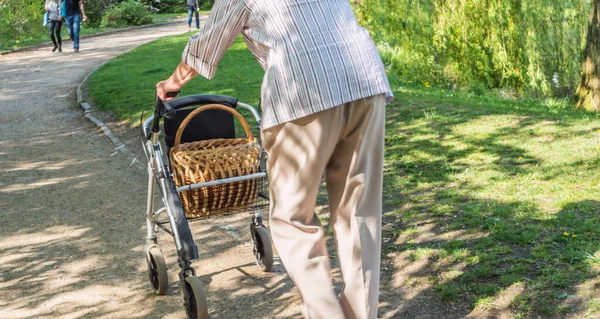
[194, 297]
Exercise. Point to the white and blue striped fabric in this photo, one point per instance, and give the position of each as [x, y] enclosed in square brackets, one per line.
[314, 53]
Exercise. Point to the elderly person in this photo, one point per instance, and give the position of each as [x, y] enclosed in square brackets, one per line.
[323, 104]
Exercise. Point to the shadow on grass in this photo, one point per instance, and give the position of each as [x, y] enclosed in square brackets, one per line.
[454, 244]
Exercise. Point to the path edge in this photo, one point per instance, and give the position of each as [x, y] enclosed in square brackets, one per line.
[87, 112]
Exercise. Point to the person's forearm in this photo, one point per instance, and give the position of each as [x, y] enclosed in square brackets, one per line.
[182, 74]
[80, 8]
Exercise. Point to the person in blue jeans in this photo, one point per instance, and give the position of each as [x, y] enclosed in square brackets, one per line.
[193, 7]
[74, 14]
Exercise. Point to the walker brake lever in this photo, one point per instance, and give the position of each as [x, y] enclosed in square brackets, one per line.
[169, 111]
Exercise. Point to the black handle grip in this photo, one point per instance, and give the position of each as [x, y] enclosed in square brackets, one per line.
[173, 94]
[162, 109]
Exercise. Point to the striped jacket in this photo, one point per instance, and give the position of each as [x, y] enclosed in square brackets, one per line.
[314, 53]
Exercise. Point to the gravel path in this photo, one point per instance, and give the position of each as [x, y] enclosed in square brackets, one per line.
[72, 230]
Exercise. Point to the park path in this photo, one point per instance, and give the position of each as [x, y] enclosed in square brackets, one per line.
[71, 207]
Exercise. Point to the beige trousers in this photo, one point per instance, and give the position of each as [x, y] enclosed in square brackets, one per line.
[346, 143]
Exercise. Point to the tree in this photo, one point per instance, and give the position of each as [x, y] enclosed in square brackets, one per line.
[588, 92]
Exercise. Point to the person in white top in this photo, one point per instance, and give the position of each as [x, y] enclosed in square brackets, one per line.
[54, 23]
[323, 104]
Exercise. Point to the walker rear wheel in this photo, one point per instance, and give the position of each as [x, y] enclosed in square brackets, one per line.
[157, 270]
[261, 246]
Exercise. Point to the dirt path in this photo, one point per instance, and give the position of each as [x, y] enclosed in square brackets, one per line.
[72, 230]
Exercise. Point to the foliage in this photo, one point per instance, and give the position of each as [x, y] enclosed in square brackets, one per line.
[404, 31]
[167, 6]
[20, 17]
[94, 10]
[530, 46]
[130, 12]
[176, 6]
[206, 4]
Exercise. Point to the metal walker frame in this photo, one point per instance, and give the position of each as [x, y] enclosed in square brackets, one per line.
[176, 223]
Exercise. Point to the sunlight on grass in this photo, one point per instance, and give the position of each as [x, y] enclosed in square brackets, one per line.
[593, 260]
[420, 253]
[486, 303]
[594, 306]
[523, 176]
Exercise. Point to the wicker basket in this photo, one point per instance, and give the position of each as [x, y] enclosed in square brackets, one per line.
[209, 160]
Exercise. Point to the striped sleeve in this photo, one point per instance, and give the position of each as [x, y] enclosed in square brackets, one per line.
[259, 51]
[206, 48]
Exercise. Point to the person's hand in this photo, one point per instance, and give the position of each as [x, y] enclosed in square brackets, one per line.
[197, 9]
[84, 17]
[166, 86]
[59, 18]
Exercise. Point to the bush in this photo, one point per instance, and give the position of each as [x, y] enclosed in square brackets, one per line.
[167, 6]
[94, 10]
[176, 6]
[130, 12]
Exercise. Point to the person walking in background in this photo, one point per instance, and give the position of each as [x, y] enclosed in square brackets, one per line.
[323, 105]
[74, 14]
[193, 8]
[54, 22]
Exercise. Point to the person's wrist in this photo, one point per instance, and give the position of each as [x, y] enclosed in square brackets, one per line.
[171, 84]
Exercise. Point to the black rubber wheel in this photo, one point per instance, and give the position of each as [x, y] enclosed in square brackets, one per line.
[157, 270]
[196, 306]
[261, 246]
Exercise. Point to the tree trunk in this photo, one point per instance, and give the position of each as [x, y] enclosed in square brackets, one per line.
[588, 92]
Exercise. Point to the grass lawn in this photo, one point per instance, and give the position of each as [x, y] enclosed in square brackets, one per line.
[491, 205]
[239, 76]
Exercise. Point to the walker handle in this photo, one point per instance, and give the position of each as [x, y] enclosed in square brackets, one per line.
[200, 99]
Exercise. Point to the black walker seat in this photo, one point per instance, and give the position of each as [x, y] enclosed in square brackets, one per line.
[207, 125]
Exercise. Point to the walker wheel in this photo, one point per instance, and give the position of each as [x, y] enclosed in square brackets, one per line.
[195, 302]
[157, 270]
[261, 246]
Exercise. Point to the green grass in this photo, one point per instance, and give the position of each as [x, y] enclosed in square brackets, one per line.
[486, 194]
[238, 75]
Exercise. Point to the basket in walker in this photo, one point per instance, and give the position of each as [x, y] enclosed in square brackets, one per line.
[215, 159]
[206, 174]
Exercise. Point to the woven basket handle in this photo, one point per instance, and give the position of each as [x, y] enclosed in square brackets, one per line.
[190, 116]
